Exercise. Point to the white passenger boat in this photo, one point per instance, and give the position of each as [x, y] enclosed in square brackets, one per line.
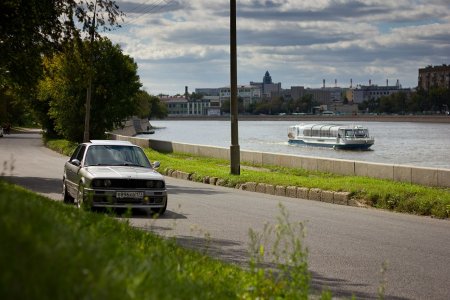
[331, 135]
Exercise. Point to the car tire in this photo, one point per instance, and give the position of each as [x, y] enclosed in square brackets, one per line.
[81, 201]
[67, 198]
[160, 210]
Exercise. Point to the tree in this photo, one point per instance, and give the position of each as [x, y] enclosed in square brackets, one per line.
[196, 96]
[157, 108]
[150, 106]
[30, 28]
[114, 98]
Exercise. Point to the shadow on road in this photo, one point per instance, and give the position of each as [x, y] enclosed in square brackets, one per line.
[236, 253]
[37, 184]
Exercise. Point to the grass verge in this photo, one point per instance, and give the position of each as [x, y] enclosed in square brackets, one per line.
[54, 251]
[385, 194]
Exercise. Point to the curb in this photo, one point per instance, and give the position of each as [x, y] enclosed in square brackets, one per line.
[341, 198]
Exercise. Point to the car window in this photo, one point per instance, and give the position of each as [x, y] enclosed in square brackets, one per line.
[80, 153]
[74, 154]
[116, 155]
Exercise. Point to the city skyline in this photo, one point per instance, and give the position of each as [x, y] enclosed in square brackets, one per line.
[186, 43]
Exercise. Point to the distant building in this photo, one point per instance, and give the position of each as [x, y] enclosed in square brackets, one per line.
[372, 92]
[207, 91]
[294, 93]
[267, 87]
[326, 95]
[437, 76]
[180, 106]
[249, 94]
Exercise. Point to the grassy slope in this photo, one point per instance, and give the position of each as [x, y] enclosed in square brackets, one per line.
[54, 251]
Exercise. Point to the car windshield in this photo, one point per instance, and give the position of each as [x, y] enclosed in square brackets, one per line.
[116, 155]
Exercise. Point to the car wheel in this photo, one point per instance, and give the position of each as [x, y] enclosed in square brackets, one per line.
[160, 210]
[81, 200]
[67, 198]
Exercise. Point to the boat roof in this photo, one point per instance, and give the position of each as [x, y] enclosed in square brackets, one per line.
[329, 126]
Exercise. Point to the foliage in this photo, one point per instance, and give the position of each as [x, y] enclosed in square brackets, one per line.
[61, 146]
[14, 109]
[435, 100]
[149, 106]
[287, 254]
[63, 89]
[29, 28]
[278, 105]
[226, 106]
[196, 96]
[100, 257]
[104, 258]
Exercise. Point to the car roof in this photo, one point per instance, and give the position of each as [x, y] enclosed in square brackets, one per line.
[111, 142]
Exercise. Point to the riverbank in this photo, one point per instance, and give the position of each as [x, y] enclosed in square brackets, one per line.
[315, 118]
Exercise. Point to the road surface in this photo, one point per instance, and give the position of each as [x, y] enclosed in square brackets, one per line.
[347, 245]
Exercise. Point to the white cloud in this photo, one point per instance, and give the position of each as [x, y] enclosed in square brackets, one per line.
[179, 42]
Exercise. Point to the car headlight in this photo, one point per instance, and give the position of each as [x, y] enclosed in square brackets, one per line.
[101, 183]
[97, 183]
[158, 184]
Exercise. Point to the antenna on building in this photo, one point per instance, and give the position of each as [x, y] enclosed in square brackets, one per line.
[370, 82]
[324, 83]
[335, 83]
[398, 83]
[387, 82]
[186, 93]
[351, 83]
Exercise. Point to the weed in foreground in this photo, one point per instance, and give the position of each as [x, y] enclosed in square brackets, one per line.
[278, 261]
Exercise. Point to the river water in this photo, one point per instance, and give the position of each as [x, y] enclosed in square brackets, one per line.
[405, 143]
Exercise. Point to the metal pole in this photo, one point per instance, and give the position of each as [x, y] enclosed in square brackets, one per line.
[87, 116]
[234, 148]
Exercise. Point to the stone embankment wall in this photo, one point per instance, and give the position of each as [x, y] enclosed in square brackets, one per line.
[342, 198]
[133, 126]
[424, 176]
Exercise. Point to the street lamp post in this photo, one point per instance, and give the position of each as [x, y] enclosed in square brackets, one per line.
[234, 148]
[87, 116]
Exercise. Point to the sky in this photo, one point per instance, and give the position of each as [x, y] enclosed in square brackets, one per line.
[178, 43]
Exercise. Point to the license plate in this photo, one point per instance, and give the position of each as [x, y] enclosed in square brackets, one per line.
[134, 195]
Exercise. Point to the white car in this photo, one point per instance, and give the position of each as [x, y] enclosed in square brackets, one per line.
[105, 173]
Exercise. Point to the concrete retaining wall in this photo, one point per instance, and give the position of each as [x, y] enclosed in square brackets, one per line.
[410, 174]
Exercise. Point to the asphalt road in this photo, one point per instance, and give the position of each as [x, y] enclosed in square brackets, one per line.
[347, 246]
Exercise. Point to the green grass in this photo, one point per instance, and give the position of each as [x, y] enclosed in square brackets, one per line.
[54, 251]
[62, 146]
[385, 194]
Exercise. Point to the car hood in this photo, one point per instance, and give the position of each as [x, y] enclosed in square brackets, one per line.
[119, 172]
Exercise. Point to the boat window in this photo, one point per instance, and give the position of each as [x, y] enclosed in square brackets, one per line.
[360, 133]
[349, 133]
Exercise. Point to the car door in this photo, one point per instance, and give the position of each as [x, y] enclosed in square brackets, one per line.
[71, 170]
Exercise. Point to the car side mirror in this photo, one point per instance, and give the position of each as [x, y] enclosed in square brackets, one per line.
[75, 162]
[156, 164]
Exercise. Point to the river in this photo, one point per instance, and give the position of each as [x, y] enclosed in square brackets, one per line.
[405, 143]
